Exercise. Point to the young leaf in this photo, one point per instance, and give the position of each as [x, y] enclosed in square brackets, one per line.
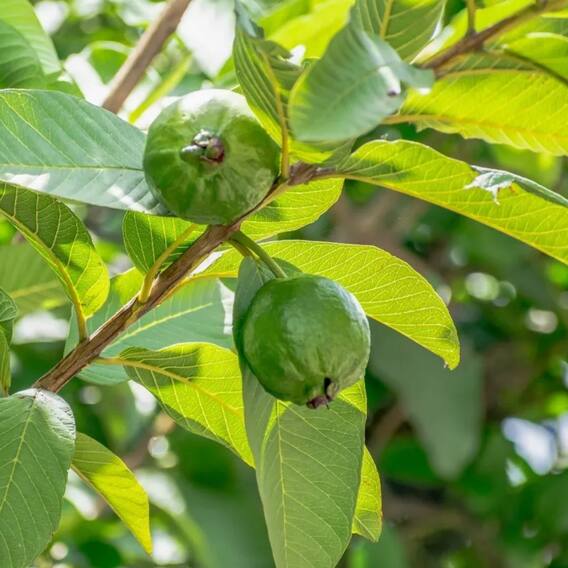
[55, 143]
[199, 311]
[352, 88]
[406, 25]
[63, 241]
[107, 474]
[389, 290]
[38, 434]
[519, 210]
[8, 313]
[19, 64]
[5, 373]
[198, 385]
[501, 101]
[146, 237]
[30, 281]
[20, 15]
[368, 519]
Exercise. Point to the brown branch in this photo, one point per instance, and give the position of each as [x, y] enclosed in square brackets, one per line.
[143, 54]
[475, 41]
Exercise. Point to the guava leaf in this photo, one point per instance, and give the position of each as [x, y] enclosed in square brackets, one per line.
[30, 281]
[107, 474]
[55, 143]
[199, 311]
[389, 290]
[20, 14]
[199, 386]
[308, 480]
[5, 372]
[146, 237]
[38, 434]
[8, 313]
[445, 408]
[424, 173]
[19, 64]
[62, 240]
[358, 82]
[368, 520]
[501, 102]
[406, 25]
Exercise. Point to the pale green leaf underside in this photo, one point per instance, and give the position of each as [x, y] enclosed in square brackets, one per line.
[308, 467]
[522, 108]
[407, 25]
[8, 313]
[112, 479]
[199, 386]
[389, 290]
[20, 14]
[55, 143]
[197, 312]
[62, 240]
[30, 281]
[37, 434]
[368, 518]
[419, 171]
[353, 87]
[19, 63]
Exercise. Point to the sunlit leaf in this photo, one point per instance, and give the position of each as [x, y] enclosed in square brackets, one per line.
[368, 519]
[62, 240]
[538, 217]
[38, 433]
[31, 283]
[107, 474]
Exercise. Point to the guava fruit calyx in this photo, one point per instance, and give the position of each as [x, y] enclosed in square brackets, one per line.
[206, 146]
[330, 392]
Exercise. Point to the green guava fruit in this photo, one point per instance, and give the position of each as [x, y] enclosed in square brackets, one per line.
[207, 159]
[305, 338]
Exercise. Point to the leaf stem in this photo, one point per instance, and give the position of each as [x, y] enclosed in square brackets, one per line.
[252, 246]
[476, 40]
[471, 8]
[155, 268]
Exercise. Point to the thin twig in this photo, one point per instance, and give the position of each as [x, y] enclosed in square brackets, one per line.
[143, 54]
[475, 41]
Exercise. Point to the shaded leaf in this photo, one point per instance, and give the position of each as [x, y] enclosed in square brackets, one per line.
[62, 240]
[58, 144]
[30, 281]
[38, 433]
[199, 386]
[107, 474]
[5, 373]
[389, 290]
[199, 311]
[20, 15]
[421, 172]
[19, 64]
[444, 407]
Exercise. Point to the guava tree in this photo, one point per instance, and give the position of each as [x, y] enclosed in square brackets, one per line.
[219, 176]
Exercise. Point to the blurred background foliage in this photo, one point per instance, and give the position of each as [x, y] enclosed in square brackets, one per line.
[473, 462]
